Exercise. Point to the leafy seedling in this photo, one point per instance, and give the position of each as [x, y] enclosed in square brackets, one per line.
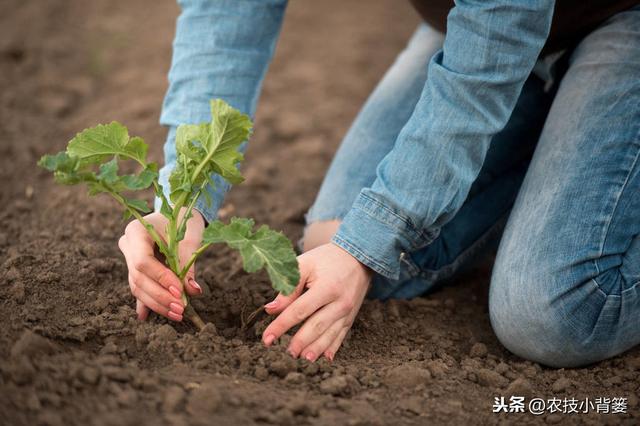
[203, 150]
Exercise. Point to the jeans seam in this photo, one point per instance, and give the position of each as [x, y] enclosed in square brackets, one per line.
[381, 267]
[604, 293]
[417, 234]
[617, 202]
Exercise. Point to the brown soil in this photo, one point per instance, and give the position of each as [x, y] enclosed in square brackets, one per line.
[71, 351]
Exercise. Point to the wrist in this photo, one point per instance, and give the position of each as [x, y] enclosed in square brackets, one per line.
[361, 267]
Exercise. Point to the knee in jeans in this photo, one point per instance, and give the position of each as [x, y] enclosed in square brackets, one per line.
[532, 323]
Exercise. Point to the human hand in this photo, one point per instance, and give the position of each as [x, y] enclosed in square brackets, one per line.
[336, 284]
[155, 286]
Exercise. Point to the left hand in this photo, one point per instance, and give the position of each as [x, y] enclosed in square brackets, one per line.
[336, 284]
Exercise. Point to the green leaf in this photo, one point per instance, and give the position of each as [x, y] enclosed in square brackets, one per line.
[141, 181]
[264, 248]
[66, 170]
[112, 182]
[229, 128]
[209, 148]
[95, 144]
[140, 205]
[109, 172]
[58, 162]
[165, 208]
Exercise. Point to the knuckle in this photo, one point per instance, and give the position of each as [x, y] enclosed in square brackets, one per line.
[164, 299]
[139, 263]
[135, 291]
[333, 291]
[164, 277]
[299, 313]
[318, 327]
[130, 227]
[333, 333]
[346, 306]
[134, 276]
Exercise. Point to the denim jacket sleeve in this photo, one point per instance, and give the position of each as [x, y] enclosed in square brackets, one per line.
[472, 87]
[221, 50]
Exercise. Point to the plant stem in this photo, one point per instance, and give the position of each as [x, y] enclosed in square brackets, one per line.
[187, 213]
[192, 259]
[193, 316]
[171, 259]
[154, 234]
[160, 193]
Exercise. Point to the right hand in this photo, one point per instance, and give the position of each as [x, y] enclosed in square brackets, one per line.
[155, 286]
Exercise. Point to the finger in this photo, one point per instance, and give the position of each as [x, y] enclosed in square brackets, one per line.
[314, 328]
[320, 345]
[330, 353]
[297, 312]
[150, 303]
[137, 247]
[281, 301]
[158, 293]
[141, 310]
[149, 266]
[135, 231]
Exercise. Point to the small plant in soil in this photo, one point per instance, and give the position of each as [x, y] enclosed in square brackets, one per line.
[93, 157]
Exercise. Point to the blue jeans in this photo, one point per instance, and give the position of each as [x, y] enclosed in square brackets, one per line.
[559, 191]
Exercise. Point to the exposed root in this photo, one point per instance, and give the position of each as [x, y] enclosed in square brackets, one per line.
[251, 319]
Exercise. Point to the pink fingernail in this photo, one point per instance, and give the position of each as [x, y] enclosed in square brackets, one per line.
[272, 305]
[310, 356]
[269, 339]
[174, 316]
[177, 308]
[292, 353]
[195, 285]
[329, 356]
[175, 292]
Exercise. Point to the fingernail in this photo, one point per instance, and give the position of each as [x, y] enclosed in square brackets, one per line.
[310, 356]
[329, 356]
[195, 285]
[174, 316]
[269, 339]
[271, 305]
[292, 353]
[177, 308]
[175, 292]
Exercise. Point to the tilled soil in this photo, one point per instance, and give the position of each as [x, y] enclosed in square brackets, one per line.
[71, 350]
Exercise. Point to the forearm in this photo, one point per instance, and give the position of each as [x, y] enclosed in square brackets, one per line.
[222, 49]
[473, 85]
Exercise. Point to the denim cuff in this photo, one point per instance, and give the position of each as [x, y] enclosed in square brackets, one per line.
[378, 236]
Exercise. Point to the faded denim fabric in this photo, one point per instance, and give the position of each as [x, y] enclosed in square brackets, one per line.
[221, 50]
[479, 222]
[460, 128]
[565, 289]
[473, 85]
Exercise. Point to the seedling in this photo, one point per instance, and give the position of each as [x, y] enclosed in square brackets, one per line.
[204, 150]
